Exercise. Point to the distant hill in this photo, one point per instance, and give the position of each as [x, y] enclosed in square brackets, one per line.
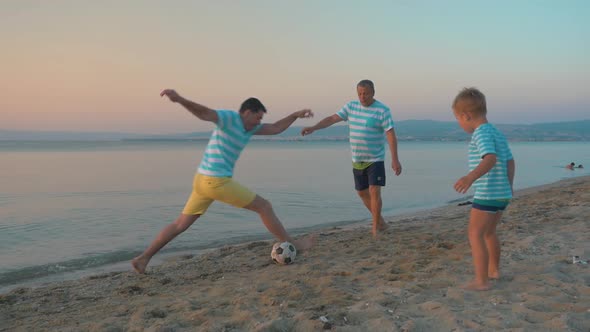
[409, 130]
[440, 131]
[558, 131]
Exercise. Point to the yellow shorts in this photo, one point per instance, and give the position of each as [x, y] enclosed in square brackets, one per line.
[207, 189]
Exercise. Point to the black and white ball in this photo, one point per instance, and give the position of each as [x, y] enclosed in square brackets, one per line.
[283, 253]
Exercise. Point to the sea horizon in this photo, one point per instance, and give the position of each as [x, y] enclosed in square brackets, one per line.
[406, 130]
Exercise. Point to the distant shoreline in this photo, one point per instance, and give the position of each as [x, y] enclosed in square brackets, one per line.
[275, 139]
[406, 130]
[401, 139]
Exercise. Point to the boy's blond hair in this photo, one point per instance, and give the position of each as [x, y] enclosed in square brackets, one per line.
[470, 100]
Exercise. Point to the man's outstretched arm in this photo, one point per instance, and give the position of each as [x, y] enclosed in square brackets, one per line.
[324, 123]
[284, 123]
[202, 112]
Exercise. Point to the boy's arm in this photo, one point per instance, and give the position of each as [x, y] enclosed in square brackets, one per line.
[511, 167]
[324, 123]
[392, 141]
[486, 164]
[281, 125]
[198, 110]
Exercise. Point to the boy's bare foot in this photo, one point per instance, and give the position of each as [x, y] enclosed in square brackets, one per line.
[495, 275]
[139, 264]
[305, 243]
[476, 286]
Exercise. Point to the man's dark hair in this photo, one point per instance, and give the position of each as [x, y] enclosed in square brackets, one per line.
[252, 104]
[367, 84]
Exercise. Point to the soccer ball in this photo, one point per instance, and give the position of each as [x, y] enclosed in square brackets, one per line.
[283, 253]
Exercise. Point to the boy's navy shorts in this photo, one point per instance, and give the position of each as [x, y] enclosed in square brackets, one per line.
[490, 205]
[374, 175]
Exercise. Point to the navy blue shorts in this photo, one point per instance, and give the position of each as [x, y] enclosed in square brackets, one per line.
[490, 206]
[373, 175]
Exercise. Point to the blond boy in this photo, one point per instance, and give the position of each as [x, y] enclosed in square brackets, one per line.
[491, 173]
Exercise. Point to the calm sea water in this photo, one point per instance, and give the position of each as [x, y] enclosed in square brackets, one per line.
[73, 208]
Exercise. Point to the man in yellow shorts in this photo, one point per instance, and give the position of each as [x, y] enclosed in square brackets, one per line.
[213, 181]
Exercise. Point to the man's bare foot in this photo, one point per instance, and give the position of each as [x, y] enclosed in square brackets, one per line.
[381, 225]
[305, 243]
[139, 264]
[379, 228]
[477, 286]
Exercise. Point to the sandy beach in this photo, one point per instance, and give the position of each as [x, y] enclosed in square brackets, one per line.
[408, 280]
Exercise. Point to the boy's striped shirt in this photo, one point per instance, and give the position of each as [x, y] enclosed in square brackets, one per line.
[486, 139]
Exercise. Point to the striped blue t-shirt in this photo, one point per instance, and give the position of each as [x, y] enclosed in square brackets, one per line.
[486, 139]
[225, 145]
[367, 126]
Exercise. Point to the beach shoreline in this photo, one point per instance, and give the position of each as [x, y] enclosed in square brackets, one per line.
[165, 255]
[407, 280]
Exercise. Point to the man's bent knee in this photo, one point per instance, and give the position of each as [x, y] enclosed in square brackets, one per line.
[375, 191]
[374, 188]
[259, 204]
[363, 193]
[184, 221]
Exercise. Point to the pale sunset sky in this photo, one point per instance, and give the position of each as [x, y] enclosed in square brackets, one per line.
[100, 65]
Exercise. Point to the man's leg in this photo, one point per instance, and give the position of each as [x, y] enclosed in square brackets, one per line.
[372, 200]
[376, 205]
[182, 223]
[274, 225]
[365, 197]
[375, 177]
[362, 184]
[493, 247]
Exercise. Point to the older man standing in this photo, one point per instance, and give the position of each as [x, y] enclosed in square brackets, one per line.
[369, 123]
